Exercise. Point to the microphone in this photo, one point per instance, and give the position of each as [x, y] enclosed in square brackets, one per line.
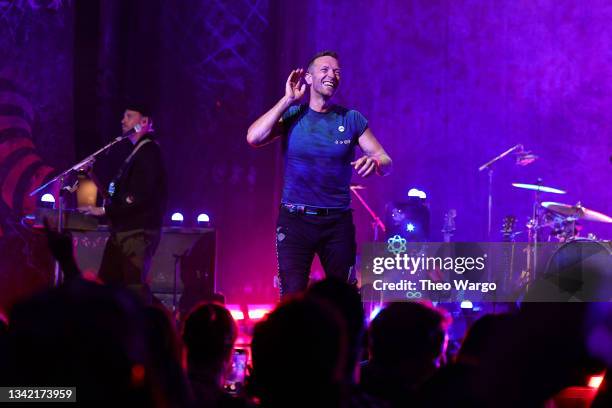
[137, 128]
[130, 132]
[524, 157]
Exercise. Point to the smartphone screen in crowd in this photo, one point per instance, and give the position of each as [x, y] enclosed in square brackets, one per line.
[235, 379]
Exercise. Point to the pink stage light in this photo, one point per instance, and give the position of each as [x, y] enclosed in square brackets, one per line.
[254, 312]
[235, 311]
[595, 381]
[257, 312]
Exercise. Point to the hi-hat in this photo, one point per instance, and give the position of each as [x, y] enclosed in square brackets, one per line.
[577, 211]
[536, 187]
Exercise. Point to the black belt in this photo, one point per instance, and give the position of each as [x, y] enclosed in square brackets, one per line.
[305, 209]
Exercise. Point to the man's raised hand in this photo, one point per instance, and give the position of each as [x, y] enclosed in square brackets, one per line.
[293, 89]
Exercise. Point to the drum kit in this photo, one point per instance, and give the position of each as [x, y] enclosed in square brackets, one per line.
[564, 220]
[564, 224]
[550, 221]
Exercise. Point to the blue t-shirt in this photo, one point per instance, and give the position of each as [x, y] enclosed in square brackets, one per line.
[319, 148]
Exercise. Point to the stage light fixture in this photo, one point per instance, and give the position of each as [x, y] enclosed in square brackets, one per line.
[257, 312]
[203, 220]
[237, 314]
[466, 304]
[177, 219]
[252, 312]
[47, 200]
[415, 192]
[409, 219]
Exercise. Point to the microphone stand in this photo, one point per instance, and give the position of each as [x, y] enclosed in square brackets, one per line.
[57, 278]
[376, 224]
[376, 221]
[488, 166]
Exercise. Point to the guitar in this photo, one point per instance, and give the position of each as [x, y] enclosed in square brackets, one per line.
[508, 228]
[449, 228]
[507, 260]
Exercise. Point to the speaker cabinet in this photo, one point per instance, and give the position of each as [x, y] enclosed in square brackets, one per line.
[184, 262]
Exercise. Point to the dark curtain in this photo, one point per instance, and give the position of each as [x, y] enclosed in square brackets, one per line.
[205, 68]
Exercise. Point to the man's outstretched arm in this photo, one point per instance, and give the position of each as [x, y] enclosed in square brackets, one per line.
[375, 159]
[269, 125]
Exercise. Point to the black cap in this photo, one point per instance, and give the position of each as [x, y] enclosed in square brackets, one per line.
[140, 106]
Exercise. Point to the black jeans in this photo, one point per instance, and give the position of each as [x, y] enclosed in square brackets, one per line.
[127, 260]
[300, 236]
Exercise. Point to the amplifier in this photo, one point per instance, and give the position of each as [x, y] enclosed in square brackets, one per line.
[184, 254]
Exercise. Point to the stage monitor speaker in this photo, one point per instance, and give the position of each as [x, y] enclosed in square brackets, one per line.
[187, 252]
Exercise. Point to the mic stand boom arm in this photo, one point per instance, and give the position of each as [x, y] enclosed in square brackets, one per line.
[501, 156]
[486, 166]
[89, 159]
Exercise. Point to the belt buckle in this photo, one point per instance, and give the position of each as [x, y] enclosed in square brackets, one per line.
[294, 209]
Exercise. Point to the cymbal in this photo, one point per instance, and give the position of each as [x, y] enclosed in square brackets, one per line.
[577, 211]
[536, 187]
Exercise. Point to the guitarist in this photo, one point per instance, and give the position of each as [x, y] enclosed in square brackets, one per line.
[135, 206]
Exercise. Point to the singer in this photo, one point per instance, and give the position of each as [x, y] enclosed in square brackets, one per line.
[135, 206]
[319, 141]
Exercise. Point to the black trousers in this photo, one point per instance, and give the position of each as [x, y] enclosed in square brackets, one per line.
[300, 236]
[127, 260]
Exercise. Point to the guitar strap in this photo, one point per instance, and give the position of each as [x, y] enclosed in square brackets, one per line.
[124, 166]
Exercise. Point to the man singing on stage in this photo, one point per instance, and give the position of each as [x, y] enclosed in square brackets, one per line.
[135, 207]
[319, 140]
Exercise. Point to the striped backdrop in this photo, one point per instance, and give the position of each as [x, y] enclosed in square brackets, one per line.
[21, 168]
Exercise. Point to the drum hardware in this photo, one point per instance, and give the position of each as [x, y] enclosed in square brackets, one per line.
[539, 188]
[523, 158]
[565, 223]
[565, 229]
[534, 225]
[577, 211]
[582, 269]
[564, 219]
[580, 245]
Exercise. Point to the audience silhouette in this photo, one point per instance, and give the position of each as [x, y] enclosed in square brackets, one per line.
[114, 348]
